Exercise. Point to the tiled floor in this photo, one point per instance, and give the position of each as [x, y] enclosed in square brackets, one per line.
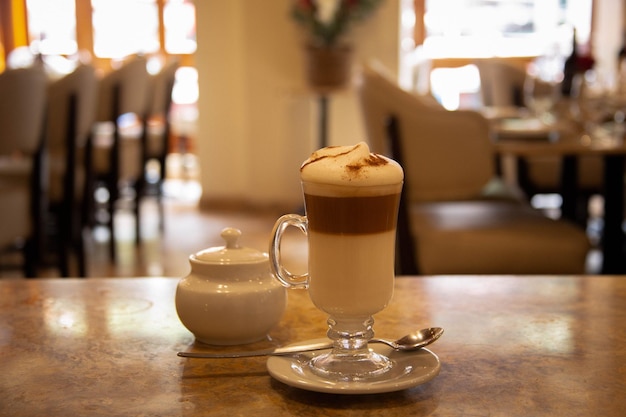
[187, 229]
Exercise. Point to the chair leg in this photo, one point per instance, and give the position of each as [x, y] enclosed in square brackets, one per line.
[111, 222]
[79, 248]
[29, 252]
[63, 233]
[137, 208]
[141, 185]
[113, 186]
[71, 243]
[163, 168]
[34, 246]
[77, 240]
[84, 221]
[82, 261]
[63, 251]
[160, 206]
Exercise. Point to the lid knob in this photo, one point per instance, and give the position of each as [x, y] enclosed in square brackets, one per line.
[231, 253]
[231, 236]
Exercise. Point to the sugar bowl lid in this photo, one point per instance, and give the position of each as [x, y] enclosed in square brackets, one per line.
[231, 253]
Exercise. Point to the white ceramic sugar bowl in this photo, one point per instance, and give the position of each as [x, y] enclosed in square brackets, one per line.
[230, 297]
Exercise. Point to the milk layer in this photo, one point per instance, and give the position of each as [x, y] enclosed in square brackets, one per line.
[351, 275]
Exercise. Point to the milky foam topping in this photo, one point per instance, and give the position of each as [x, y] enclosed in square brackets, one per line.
[350, 165]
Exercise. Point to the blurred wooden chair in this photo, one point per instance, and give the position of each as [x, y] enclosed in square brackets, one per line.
[116, 158]
[22, 186]
[70, 117]
[450, 221]
[157, 129]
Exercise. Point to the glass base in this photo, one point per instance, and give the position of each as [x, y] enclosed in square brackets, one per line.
[350, 359]
[341, 367]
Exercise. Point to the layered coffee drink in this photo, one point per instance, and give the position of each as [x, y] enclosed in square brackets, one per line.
[351, 200]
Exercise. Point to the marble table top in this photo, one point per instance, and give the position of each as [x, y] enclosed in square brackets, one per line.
[513, 346]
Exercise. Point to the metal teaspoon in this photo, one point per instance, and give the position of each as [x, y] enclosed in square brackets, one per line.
[411, 341]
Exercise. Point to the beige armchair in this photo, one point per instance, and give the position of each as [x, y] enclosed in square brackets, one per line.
[450, 222]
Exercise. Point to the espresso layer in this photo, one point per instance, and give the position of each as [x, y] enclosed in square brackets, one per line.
[352, 215]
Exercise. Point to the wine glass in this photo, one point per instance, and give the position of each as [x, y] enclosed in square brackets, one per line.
[541, 93]
[597, 107]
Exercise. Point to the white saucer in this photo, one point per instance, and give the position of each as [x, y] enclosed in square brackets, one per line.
[410, 369]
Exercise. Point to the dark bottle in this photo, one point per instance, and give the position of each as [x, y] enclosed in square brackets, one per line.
[621, 68]
[621, 55]
[570, 68]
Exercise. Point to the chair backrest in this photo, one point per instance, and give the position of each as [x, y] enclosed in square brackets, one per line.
[80, 85]
[70, 117]
[159, 106]
[447, 155]
[161, 86]
[22, 107]
[501, 83]
[124, 90]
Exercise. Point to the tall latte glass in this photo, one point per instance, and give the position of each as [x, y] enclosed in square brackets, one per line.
[351, 200]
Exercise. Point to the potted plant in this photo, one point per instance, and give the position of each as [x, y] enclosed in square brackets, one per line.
[326, 24]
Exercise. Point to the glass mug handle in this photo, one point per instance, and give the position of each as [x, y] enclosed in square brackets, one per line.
[285, 277]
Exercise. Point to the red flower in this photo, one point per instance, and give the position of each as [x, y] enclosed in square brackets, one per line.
[306, 5]
[584, 63]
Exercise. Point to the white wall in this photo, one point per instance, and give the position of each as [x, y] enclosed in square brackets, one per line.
[607, 33]
[257, 119]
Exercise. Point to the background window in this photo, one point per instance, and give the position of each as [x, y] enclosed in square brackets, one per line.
[125, 27]
[179, 17]
[52, 26]
[445, 36]
[486, 28]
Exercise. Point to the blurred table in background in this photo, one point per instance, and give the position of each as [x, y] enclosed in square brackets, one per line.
[570, 145]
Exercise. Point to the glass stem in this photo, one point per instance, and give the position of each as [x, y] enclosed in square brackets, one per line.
[350, 359]
[350, 335]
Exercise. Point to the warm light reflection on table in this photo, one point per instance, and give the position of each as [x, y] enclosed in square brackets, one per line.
[513, 327]
[531, 346]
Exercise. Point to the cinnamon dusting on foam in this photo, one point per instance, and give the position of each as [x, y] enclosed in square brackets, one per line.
[350, 164]
[316, 155]
[373, 160]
